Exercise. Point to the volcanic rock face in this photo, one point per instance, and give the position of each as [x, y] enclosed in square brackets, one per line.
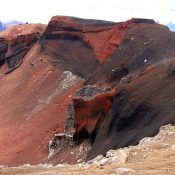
[3, 50]
[89, 32]
[59, 142]
[16, 42]
[87, 111]
[138, 110]
[91, 105]
[129, 65]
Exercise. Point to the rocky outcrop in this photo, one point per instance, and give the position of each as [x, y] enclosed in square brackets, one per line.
[14, 47]
[87, 112]
[18, 47]
[143, 45]
[59, 142]
[85, 115]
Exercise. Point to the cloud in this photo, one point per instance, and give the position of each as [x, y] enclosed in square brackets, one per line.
[114, 10]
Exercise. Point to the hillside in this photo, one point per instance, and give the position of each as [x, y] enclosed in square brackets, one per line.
[77, 88]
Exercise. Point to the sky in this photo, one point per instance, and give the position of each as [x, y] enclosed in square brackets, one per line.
[41, 11]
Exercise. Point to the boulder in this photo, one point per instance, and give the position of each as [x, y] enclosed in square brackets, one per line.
[122, 171]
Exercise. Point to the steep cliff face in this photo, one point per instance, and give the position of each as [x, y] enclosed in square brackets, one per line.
[16, 42]
[3, 50]
[130, 65]
[94, 34]
[91, 105]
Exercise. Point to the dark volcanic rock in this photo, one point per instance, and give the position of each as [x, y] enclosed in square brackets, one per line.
[143, 45]
[81, 100]
[3, 50]
[87, 112]
[69, 123]
[141, 20]
[91, 105]
[138, 110]
[18, 47]
[89, 91]
[59, 142]
[14, 47]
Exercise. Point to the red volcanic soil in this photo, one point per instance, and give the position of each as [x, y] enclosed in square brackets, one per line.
[32, 109]
[42, 67]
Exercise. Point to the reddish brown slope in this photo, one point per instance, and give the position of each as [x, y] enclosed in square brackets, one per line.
[32, 105]
[33, 108]
[98, 35]
[34, 97]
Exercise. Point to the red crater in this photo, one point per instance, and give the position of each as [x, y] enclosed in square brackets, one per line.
[44, 69]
